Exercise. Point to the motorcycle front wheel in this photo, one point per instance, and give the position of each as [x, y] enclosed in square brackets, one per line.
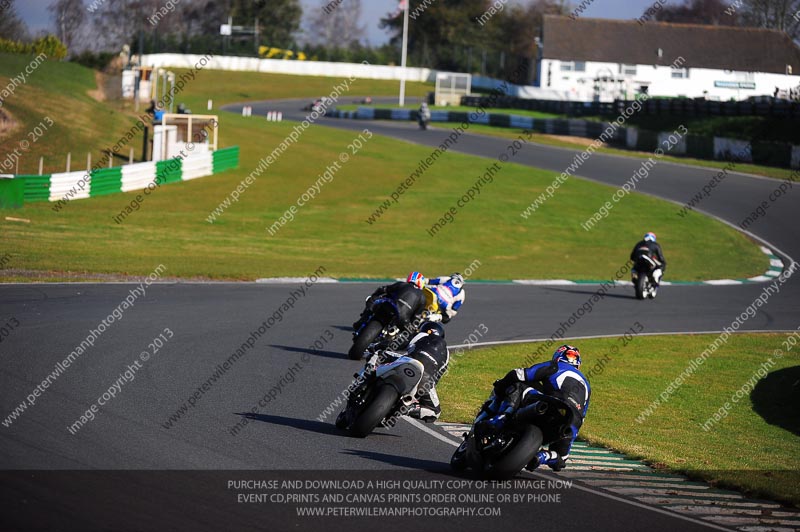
[380, 404]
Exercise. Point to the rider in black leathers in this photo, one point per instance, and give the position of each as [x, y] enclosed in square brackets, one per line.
[408, 295]
[429, 348]
[649, 247]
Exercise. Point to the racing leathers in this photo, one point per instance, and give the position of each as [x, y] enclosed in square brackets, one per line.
[450, 295]
[653, 250]
[409, 300]
[432, 352]
[554, 378]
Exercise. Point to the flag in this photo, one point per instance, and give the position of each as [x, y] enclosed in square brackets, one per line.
[401, 6]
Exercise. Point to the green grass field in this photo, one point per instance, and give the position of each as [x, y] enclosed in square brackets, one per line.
[332, 230]
[742, 450]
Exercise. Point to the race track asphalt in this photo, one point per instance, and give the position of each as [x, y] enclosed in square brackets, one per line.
[141, 466]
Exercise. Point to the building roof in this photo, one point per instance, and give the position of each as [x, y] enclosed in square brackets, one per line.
[702, 46]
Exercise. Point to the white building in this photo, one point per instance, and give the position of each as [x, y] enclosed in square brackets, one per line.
[602, 60]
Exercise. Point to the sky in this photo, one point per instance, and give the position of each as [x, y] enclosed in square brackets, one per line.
[34, 13]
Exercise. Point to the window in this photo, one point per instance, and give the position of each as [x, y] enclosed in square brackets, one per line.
[627, 70]
[680, 73]
[573, 66]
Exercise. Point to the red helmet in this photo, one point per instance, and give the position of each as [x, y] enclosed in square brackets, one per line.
[417, 279]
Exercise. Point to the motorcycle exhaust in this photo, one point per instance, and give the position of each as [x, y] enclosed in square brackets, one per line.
[531, 411]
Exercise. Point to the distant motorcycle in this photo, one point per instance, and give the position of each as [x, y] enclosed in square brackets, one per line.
[501, 454]
[641, 276]
[381, 391]
[384, 323]
[423, 118]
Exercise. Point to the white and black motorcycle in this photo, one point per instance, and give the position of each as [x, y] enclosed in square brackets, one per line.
[643, 270]
[380, 393]
[423, 118]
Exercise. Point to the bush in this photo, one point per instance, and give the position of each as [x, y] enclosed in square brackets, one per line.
[98, 61]
[49, 46]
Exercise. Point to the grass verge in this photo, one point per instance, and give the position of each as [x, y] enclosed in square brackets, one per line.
[172, 227]
[743, 450]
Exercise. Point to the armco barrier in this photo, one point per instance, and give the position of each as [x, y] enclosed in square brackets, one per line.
[132, 177]
[776, 154]
[655, 106]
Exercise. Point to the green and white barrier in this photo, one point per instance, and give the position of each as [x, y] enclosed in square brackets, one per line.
[67, 186]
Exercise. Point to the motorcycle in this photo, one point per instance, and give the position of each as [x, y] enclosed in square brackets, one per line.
[423, 118]
[501, 454]
[641, 275]
[383, 324]
[380, 392]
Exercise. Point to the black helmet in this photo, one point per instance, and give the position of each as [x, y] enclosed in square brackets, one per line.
[431, 327]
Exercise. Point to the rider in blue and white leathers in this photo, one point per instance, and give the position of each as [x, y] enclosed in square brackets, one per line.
[450, 292]
[561, 378]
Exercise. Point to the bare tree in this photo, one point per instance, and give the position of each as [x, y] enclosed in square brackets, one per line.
[11, 26]
[336, 25]
[118, 21]
[713, 12]
[783, 15]
[68, 17]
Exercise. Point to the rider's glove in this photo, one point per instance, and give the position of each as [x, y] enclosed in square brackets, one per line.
[500, 388]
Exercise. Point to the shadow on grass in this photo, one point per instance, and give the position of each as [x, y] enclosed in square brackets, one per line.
[776, 396]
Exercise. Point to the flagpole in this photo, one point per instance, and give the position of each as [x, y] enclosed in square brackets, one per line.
[404, 54]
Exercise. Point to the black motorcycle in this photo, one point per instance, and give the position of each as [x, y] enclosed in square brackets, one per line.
[642, 275]
[384, 324]
[381, 392]
[501, 454]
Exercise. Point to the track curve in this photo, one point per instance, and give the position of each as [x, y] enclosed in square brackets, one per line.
[210, 321]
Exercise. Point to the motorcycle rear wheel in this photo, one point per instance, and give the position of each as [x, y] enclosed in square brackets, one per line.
[367, 335]
[640, 286]
[518, 455]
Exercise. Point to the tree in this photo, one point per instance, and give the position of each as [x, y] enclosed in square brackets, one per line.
[278, 20]
[516, 31]
[11, 26]
[457, 35]
[712, 12]
[783, 15]
[338, 27]
[442, 35]
[117, 22]
[68, 17]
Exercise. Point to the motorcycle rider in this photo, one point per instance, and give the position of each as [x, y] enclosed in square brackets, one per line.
[650, 248]
[408, 295]
[560, 378]
[424, 113]
[429, 348]
[449, 290]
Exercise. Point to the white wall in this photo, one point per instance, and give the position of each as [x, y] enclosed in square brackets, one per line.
[580, 85]
[300, 68]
